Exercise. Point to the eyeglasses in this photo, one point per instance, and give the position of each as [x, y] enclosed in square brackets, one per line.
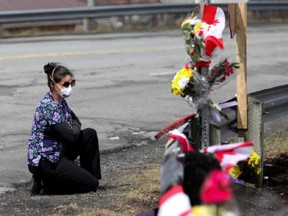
[67, 84]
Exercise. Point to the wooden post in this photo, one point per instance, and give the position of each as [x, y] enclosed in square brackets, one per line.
[241, 57]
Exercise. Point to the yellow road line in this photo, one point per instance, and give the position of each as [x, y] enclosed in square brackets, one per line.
[59, 54]
[88, 53]
[108, 52]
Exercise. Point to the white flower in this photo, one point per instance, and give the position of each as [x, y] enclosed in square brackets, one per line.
[183, 82]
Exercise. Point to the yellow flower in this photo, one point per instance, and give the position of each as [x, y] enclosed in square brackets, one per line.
[189, 24]
[198, 27]
[208, 210]
[254, 159]
[180, 80]
[258, 170]
[254, 162]
[186, 24]
[235, 172]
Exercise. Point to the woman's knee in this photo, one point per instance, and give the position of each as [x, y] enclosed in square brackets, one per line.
[90, 132]
[92, 185]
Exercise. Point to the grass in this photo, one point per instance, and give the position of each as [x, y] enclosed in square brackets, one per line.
[137, 191]
[276, 142]
[137, 186]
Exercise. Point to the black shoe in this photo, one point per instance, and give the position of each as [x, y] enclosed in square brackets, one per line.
[36, 186]
[102, 187]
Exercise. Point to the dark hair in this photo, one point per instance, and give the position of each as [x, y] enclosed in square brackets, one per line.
[55, 72]
[197, 167]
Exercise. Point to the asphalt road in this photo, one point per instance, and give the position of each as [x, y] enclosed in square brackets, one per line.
[123, 84]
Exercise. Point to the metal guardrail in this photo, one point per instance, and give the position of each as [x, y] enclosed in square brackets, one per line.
[268, 105]
[8, 17]
[275, 104]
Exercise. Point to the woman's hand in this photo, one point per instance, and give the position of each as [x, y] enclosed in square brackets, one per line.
[69, 124]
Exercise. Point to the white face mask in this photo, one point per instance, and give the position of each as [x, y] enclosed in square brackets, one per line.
[65, 92]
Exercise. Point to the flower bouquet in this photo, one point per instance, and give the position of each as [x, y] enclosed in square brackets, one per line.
[188, 81]
[195, 80]
[195, 88]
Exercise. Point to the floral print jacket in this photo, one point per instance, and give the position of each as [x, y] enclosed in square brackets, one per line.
[42, 142]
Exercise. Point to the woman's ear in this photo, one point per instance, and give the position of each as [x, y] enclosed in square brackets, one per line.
[51, 84]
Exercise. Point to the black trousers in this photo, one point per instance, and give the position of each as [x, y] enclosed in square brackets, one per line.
[66, 176]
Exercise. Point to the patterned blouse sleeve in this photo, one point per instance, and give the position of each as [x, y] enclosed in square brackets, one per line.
[53, 115]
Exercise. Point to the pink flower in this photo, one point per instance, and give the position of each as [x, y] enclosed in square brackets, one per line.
[215, 70]
[187, 66]
[227, 64]
[216, 188]
[222, 79]
[201, 32]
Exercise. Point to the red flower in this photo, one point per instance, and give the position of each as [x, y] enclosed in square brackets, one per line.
[201, 32]
[216, 188]
[187, 66]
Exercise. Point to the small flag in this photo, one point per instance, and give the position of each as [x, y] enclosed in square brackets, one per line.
[215, 18]
[229, 155]
[174, 202]
[182, 139]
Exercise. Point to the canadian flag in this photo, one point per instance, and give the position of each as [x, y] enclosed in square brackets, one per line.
[229, 155]
[215, 18]
[174, 203]
[183, 141]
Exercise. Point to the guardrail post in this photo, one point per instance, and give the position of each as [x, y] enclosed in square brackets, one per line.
[215, 135]
[255, 131]
[89, 23]
[1, 30]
